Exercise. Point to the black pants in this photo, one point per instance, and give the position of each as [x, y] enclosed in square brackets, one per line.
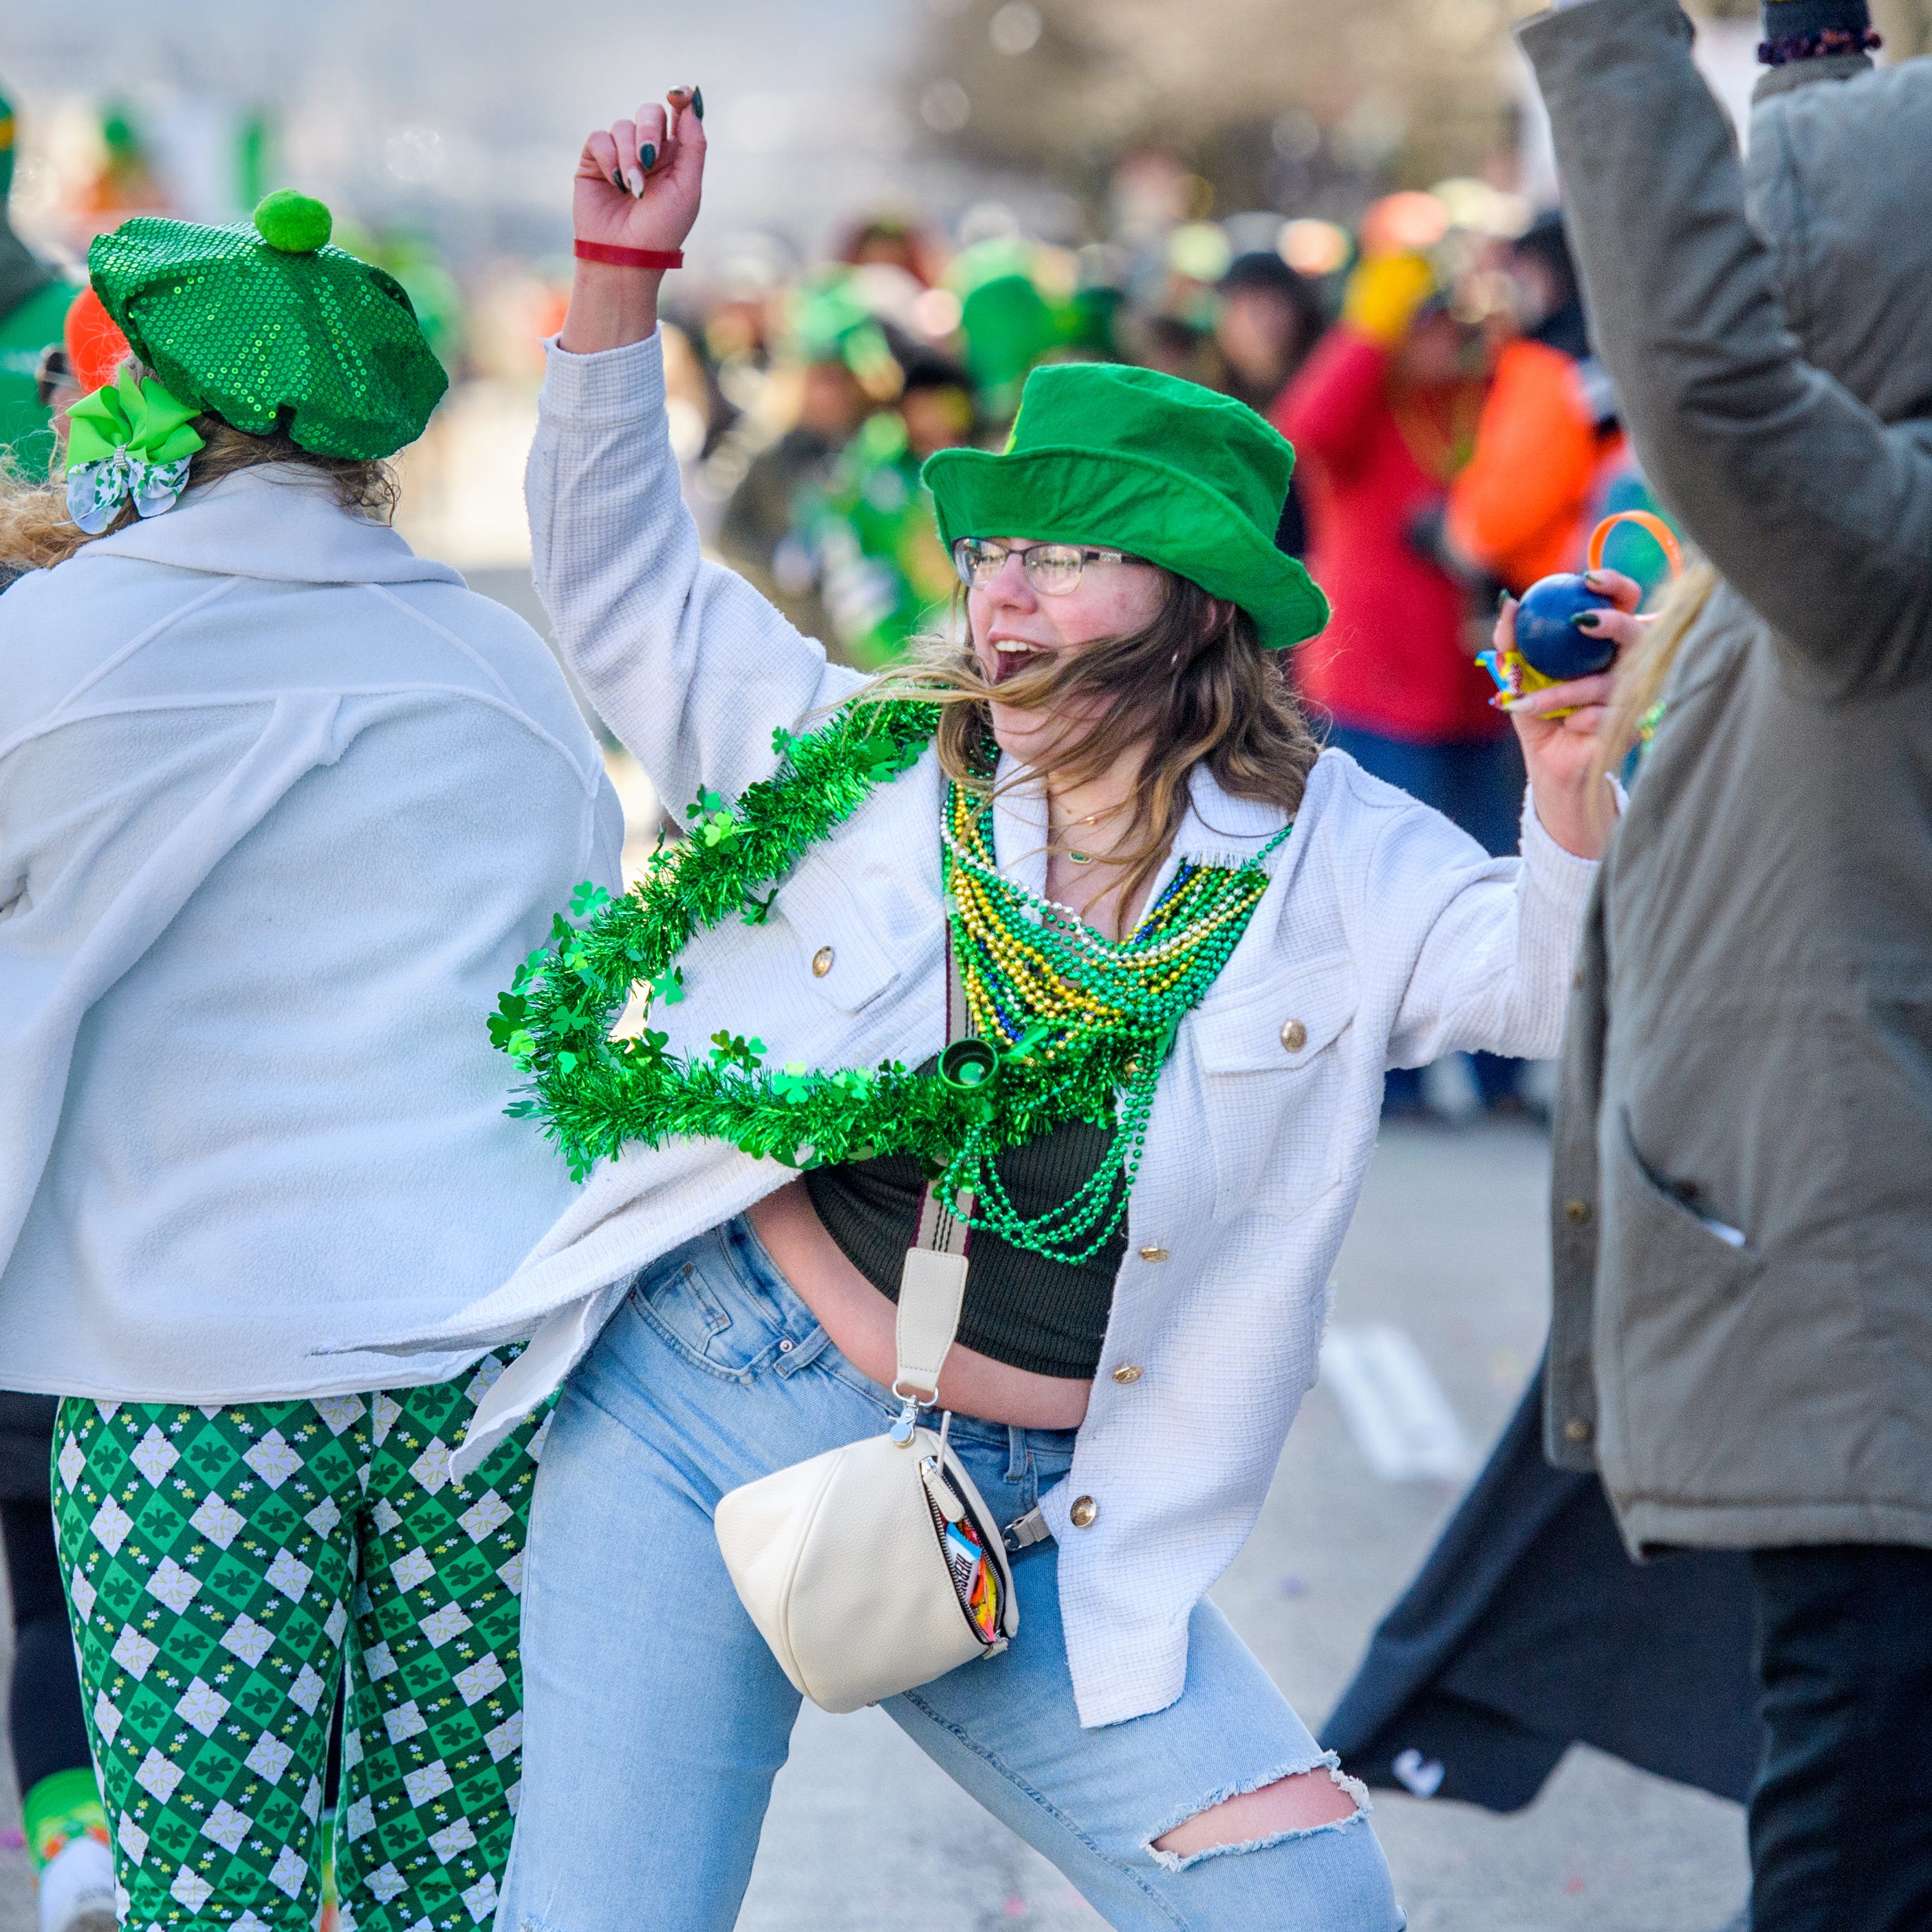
[1841, 1813]
[44, 1718]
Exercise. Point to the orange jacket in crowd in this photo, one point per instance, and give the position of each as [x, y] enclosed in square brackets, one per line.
[1522, 506]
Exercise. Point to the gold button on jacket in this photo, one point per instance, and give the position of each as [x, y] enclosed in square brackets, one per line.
[821, 962]
[1084, 1510]
[1294, 1035]
[1128, 1372]
[1154, 1254]
[1576, 1430]
[1579, 1211]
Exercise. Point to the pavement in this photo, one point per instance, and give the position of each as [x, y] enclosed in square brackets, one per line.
[1446, 1254]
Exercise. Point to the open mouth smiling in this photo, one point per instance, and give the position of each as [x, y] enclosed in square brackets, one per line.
[1011, 655]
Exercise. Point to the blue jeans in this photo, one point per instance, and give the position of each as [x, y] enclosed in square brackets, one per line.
[655, 1718]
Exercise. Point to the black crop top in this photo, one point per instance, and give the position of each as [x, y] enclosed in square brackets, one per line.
[1022, 1308]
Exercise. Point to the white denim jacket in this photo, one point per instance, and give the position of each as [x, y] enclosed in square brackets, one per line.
[1386, 937]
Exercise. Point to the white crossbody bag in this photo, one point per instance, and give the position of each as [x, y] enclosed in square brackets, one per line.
[869, 1569]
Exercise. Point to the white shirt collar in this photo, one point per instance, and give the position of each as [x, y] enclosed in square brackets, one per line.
[280, 521]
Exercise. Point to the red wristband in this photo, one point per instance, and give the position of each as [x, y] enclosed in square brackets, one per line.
[630, 258]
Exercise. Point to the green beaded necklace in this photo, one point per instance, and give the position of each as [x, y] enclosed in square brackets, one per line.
[1069, 1025]
[1040, 980]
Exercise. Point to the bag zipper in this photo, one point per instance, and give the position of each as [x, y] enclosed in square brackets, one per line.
[932, 1470]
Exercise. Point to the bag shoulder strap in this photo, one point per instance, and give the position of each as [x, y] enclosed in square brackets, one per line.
[932, 1285]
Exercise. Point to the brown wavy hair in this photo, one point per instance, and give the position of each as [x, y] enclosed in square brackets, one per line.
[36, 533]
[1194, 687]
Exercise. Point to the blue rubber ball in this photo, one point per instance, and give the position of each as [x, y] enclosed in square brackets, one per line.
[1550, 641]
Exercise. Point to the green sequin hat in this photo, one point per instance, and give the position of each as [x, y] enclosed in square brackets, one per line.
[1136, 460]
[267, 327]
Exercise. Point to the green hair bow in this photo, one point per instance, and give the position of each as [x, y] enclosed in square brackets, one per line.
[128, 442]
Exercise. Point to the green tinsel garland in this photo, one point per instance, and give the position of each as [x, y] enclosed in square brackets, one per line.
[594, 1093]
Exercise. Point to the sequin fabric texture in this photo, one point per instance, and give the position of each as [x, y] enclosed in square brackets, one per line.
[324, 345]
[222, 1565]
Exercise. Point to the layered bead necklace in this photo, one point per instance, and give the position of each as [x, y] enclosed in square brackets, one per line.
[1042, 984]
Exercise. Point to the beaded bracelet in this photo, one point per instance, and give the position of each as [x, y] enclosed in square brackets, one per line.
[1826, 42]
[630, 258]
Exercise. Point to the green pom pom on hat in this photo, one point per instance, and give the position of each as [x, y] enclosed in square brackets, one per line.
[1137, 460]
[297, 224]
[268, 326]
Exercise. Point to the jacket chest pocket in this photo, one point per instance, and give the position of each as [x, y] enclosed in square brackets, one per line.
[847, 945]
[1271, 1073]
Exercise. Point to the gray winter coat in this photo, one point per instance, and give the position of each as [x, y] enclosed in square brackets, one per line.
[1742, 1203]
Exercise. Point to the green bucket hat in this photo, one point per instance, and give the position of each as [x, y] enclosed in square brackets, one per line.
[268, 325]
[1136, 460]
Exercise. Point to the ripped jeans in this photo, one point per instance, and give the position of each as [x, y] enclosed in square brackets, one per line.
[655, 1718]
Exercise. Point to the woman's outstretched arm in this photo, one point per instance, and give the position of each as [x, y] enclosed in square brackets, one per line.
[683, 660]
[637, 188]
[1489, 971]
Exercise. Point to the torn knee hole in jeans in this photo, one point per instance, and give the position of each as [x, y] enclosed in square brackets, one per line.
[1295, 1802]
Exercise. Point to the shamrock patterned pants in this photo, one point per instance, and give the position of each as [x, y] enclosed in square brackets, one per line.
[222, 1564]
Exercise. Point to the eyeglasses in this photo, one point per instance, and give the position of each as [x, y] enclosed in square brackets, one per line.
[1053, 569]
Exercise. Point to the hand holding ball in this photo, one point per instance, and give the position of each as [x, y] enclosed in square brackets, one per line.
[1547, 637]
[1550, 646]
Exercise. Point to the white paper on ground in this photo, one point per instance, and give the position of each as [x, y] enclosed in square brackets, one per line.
[1394, 1407]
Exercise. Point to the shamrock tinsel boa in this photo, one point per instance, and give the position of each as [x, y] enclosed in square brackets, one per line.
[593, 1094]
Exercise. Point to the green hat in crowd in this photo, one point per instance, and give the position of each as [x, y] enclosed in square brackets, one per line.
[1008, 325]
[8, 128]
[832, 323]
[268, 326]
[1139, 461]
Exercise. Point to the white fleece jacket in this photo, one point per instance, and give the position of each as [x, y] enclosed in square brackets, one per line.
[281, 806]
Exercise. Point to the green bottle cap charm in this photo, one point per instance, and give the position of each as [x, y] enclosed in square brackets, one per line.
[970, 1068]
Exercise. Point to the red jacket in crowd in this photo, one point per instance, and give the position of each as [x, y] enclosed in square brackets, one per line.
[1370, 457]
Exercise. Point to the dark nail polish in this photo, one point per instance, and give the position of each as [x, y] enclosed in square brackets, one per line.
[647, 155]
[1502, 602]
[617, 180]
[698, 102]
[1588, 620]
